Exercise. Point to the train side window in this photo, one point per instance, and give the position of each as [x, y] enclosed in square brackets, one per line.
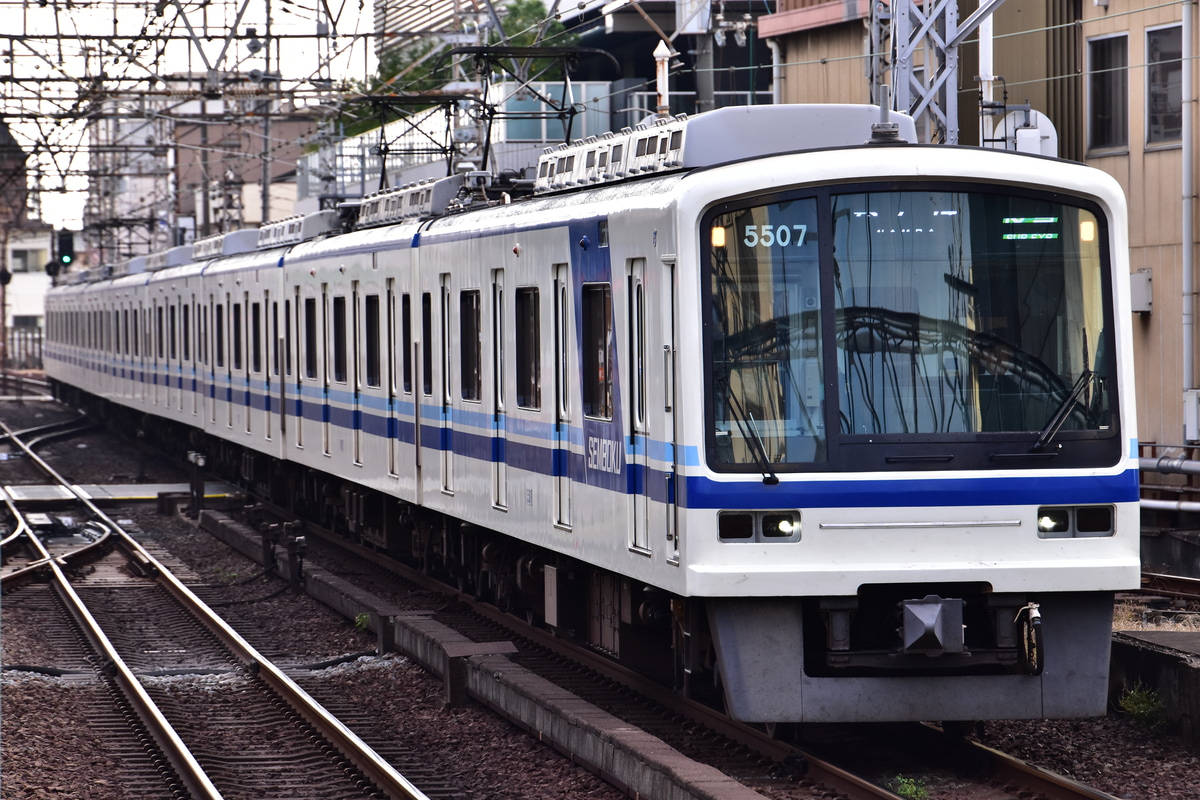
[219, 327]
[529, 348]
[406, 338]
[187, 332]
[310, 337]
[371, 320]
[597, 350]
[160, 339]
[470, 344]
[125, 325]
[287, 337]
[172, 330]
[256, 337]
[236, 338]
[339, 339]
[427, 343]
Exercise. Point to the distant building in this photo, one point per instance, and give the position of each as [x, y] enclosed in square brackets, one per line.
[25, 244]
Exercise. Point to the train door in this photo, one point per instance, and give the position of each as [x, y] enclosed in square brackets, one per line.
[357, 342]
[669, 404]
[157, 354]
[424, 366]
[174, 364]
[639, 433]
[447, 415]
[499, 465]
[562, 405]
[399, 363]
[325, 326]
[260, 373]
[283, 362]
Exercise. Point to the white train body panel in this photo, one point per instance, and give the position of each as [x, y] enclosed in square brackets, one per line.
[606, 374]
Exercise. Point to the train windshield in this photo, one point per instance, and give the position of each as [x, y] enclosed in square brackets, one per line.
[904, 316]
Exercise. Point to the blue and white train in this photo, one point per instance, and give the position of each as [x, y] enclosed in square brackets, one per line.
[767, 402]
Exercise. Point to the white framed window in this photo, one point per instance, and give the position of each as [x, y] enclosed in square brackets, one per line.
[1164, 84]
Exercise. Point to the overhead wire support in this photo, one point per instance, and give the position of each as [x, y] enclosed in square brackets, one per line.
[512, 61]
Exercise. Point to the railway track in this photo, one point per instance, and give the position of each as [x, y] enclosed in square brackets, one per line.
[244, 741]
[760, 760]
[752, 755]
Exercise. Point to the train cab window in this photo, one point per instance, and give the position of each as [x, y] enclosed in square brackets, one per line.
[339, 339]
[471, 378]
[372, 333]
[427, 343]
[765, 352]
[406, 340]
[529, 348]
[237, 338]
[310, 337]
[597, 350]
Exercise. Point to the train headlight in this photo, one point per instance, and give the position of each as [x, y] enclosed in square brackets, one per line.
[780, 526]
[758, 526]
[1073, 522]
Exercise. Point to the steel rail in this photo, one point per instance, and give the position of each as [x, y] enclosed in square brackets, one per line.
[186, 767]
[818, 769]
[1179, 586]
[1030, 777]
[358, 752]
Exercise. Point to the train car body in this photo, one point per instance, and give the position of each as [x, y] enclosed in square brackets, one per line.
[845, 433]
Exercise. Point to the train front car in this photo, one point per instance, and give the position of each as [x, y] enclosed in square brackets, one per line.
[918, 488]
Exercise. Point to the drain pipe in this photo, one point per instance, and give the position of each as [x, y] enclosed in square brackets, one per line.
[1187, 134]
[776, 71]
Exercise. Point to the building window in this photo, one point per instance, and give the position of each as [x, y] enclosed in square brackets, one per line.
[34, 260]
[1164, 85]
[1108, 92]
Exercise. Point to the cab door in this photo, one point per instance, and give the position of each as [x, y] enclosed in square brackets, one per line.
[639, 427]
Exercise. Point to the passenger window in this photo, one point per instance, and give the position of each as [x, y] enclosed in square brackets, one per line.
[310, 337]
[339, 339]
[406, 339]
[597, 351]
[219, 324]
[529, 348]
[470, 344]
[371, 320]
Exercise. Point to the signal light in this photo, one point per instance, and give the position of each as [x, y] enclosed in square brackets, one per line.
[66, 247]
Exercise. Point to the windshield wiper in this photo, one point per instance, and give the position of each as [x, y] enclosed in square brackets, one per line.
[756, 443]
[1062, 412]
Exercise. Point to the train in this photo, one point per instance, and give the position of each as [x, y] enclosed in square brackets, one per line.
[772, 404]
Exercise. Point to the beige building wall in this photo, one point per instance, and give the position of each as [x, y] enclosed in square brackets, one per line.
[1152, 176]
[1043, 55]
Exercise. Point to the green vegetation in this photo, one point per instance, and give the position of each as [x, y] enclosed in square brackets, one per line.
[361, 621]
[421, 66]
[1143, 704]
[909, 788]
